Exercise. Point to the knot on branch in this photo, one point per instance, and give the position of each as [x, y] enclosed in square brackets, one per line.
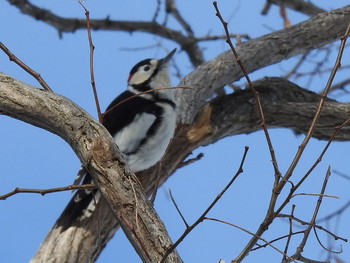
[201, 127]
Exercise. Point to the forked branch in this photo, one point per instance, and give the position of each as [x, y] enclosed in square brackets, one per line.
[200, 219]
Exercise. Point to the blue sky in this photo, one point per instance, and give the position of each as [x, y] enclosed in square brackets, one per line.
[33, 158]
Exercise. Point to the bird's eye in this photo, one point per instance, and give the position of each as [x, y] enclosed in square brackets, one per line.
[146, 68]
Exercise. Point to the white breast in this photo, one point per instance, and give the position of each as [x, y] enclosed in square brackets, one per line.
[129, 138]
[153, 150]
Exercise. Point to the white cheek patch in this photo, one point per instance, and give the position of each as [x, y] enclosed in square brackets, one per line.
[140, 77]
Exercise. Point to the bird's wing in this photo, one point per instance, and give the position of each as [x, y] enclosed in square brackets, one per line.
[129, 119]
[139, 116]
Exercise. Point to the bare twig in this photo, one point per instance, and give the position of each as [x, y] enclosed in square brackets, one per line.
[302, 222]
[340, 85]
[177, 209]
[309, 194]
[172, 9]
[296, 66]
[343, 175]
[300, 248]
[271, 214]
[211, 38]
[92, 75]
[318, 160]
[254, 91]
[156, 12]
[139, 94]
[335, 213]
[18, 190]
[72, 24]
[191, 160]
[327, 249]
[308, 260]
[258, 246]
[200, 219]
[20, 63]
[283, 14]
[284, 259]
[317, 114]
[250, 233]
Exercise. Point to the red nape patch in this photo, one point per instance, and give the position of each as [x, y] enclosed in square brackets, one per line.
[129, 77]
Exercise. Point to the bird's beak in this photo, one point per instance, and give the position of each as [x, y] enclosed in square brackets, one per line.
[167, 58]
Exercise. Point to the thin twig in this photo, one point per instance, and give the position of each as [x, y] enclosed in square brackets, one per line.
[284, 259]
[302, 222]
[18, 190]
[268, 218]
[341, 85]
[271, 214]
[318, 160]
[343, 175]
[320, 243]
[20, 63]
[254, 91]
[200, 219]
[258, 246]
[296, 66]
[156, 12]
[92, 75]
[335, 213]
[250, 233]
[309, 194]
[300, 248]
[170, 8]
[142, 93]
[317, 114]
[177, 209]
[308, 260]
[211, 38]
[190, 161]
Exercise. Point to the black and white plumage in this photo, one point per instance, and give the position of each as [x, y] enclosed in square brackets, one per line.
[142, 126]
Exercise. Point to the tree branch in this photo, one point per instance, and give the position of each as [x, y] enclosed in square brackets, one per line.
[285, 105]
[188, 44]
[259, 53]
[18, 190]
[98, 153]
[297, 5]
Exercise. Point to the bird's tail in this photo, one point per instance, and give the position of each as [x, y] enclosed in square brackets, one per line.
[82, 205]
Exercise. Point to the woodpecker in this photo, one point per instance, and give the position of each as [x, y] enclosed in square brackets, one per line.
[143, 126]
[142, 122]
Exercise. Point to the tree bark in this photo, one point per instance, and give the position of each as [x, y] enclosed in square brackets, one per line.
[200, 123]
[285, 105]
[256, 54]
[98, 153]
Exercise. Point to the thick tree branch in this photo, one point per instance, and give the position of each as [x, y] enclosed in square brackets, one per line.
[258, 53]
[301, 6]
[187, 43]
[285, 105]
[99, 154]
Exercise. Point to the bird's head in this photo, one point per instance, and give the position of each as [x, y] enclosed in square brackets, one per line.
[150, 74]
